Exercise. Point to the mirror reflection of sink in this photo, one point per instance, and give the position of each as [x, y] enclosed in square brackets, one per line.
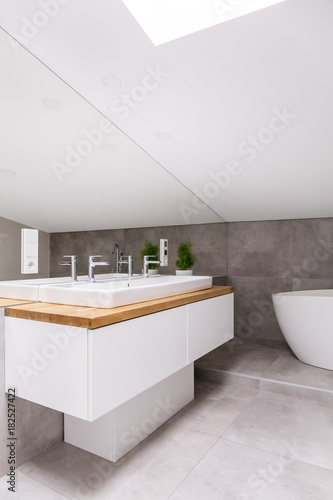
[119, 292]
[28, 289]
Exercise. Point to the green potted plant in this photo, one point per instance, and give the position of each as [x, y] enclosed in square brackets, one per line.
[186, 259]
[150, 249]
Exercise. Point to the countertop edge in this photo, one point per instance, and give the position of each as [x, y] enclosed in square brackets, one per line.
[92, 318]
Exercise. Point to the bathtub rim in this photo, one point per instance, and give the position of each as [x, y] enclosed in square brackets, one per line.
[306, 293]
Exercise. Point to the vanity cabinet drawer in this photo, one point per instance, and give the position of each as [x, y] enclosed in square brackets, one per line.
[210, 324]
[129, 357]
[47, 364]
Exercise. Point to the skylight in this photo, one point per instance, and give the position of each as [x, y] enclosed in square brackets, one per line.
[166, 20]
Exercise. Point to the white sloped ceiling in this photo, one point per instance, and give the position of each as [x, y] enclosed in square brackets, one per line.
[239, 114]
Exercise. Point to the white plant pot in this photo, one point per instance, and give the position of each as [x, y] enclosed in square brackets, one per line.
[188, 272]
[152, 271]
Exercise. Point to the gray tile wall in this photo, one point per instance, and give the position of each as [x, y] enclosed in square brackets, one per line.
[209, 245]
[275, 256]
[260, 258]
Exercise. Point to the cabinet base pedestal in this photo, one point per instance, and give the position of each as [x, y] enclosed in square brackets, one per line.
[118, 431]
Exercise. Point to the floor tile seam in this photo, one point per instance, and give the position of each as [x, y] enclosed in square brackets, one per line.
[218, 370]
[197, 431]
[44, 485]
[259, 378]
[184, 426]
[292, 384]
[298, 460]
[196, 465]
[275, 361]
[240, 413]
[302, 399]
[233, 420]
[252, 447]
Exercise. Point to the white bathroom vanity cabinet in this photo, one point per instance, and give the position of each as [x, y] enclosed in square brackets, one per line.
[115, 383]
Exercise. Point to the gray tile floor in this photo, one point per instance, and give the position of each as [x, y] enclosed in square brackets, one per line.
[269, 366]
[261, 429]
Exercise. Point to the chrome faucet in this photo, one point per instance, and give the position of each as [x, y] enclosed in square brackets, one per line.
[72, 263]
[127, 259]
[92, 264]
[118, 261]
[146, 263]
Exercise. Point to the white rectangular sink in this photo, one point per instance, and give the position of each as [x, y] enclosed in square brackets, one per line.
[119, 292]
[29, 289]
[26, 289]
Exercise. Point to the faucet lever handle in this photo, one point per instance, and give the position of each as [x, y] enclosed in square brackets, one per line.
[93, 257]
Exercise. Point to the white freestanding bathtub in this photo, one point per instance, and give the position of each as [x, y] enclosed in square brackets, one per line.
[306, 321]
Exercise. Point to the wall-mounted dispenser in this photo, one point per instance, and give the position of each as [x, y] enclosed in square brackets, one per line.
[29, 251]
[164, 250]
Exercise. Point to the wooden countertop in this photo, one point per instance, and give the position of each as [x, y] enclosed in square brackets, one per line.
[12, 302]
[93, 317]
